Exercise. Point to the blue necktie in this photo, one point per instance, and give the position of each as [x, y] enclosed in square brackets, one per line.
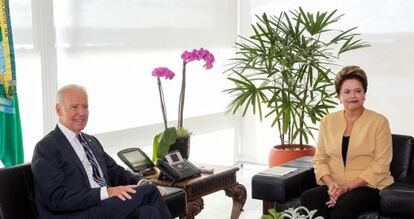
[89, 154]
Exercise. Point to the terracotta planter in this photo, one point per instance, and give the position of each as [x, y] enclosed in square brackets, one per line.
[278, 156]
[183, 146]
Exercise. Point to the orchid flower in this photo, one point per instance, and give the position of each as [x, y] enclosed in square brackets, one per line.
[187, 57]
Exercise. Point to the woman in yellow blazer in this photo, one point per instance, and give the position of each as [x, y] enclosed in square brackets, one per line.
[353, 155]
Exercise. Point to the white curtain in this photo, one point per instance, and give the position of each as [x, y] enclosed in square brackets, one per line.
[111, 47]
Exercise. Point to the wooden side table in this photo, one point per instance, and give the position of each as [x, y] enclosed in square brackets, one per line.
[223, 178]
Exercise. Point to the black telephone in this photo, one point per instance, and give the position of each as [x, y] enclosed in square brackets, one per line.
[137, 160]
[176, 168]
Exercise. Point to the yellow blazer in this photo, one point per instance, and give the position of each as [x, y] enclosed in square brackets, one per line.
[369, 150]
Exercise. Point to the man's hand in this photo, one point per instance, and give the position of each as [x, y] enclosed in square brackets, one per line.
[122, 192]
[162, 191]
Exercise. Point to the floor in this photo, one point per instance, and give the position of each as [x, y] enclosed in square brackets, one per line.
[218, 205]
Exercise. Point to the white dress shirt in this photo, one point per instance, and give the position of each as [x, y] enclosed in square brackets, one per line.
[77, 146]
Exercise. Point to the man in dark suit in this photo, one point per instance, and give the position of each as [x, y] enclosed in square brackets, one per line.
[75, 178]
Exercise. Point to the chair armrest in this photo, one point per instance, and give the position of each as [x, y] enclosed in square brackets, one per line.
[176, 200]
[281, 189]
[397, 199]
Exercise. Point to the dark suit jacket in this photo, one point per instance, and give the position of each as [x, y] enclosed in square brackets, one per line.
[62, 187]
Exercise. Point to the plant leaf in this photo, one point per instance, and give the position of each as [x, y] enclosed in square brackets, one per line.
[162, 143]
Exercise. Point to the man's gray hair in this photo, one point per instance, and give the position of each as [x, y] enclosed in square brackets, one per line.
[61, 91]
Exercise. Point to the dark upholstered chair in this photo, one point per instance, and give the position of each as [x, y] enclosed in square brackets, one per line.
[396, 201]
[17, 197]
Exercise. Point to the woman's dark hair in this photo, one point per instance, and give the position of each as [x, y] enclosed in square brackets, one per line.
[351, 72]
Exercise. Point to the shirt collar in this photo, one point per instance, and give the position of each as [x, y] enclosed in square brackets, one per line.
[69, 134]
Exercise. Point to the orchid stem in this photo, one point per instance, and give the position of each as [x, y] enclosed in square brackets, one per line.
[164, 114]
[181, 100]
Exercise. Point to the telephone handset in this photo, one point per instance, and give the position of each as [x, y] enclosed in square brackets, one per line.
[167, 170]
[176, 168]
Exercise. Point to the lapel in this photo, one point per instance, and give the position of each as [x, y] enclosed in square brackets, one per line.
[355, 135]
[68, 150]
[339, 131]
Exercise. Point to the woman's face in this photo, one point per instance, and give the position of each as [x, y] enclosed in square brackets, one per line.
[352, 95]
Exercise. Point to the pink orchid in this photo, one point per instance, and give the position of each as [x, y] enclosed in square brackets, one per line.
[163, 72]
[160, 72]
[187, 57]
[197, 55]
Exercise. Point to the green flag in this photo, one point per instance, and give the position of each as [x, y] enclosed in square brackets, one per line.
[11, 144]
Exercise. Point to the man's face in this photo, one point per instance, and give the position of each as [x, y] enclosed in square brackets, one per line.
[73, 112]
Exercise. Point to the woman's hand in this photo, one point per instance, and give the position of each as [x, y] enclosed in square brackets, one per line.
[331, 203]
[332, 190]
[335, 191]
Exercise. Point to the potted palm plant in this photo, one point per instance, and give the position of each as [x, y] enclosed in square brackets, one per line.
[283, 71]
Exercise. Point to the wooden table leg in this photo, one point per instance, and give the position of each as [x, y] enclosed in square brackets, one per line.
[238, 193]
[266, 206]
[194, 207]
